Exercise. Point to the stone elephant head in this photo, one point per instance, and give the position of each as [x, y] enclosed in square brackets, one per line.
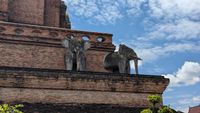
[130, 54]
[127, 52]
[121, 60]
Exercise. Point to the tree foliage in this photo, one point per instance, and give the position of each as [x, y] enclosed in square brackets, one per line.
[165, 109]
[146, 111]
[5, 108]
[154, 99]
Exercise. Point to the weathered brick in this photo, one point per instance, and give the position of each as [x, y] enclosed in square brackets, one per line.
[27, 11]
[3, 5]
[4, 10]
[32, 63]
[52, 13]
[53, 86]
[34, 46]
[19, 55]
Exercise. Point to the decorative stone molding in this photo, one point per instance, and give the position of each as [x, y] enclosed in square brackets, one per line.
[2, 29]
[104, 40]
[18, 31]
[53, 34]
[36, 32]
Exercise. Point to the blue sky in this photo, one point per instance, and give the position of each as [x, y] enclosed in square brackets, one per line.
[164, 33]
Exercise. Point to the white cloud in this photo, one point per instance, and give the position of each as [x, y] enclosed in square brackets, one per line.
[162, 9]
[187, 101]
[177, 29]
[196, 99]
[175, 9]
[183, 109]
[182, 29]
[169, 89]
[104, 11]
[101, 11]
[175, 20]
[152, 53]
[188, 74]
[134, 7]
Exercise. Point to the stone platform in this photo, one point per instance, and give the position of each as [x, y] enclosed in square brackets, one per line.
[60, 87]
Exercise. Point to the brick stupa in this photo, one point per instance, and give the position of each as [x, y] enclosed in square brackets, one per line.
[33, 70]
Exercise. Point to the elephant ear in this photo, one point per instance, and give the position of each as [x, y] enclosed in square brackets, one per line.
[87, 45]
[65, 42]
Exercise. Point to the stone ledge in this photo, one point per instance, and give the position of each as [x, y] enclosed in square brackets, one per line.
[49, 42]
[48, 27]
[51, 32]
[100, 74]
[35, 34]
[89, 81]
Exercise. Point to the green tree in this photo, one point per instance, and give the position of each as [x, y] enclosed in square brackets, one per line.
[165, 109]
[146, 111]
[5, 108]
[154, 99]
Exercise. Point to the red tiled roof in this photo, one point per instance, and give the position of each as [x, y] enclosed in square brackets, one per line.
[195, 109]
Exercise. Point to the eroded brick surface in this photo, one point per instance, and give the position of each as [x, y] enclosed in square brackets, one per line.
[27, 11]
[52, 13]
[18, 55]
[62, 87]
[40, 47]
[61, 80]
[67, 96]
[3, 5]
[4, 10]
[95, 61]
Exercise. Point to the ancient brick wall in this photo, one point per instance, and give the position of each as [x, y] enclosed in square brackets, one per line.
[40, 47]
[69, 96]
[26, 11]
[52, 13]
[4, 10]
[95, 60]
[38, 12]
[60, 79]
[18, 55]
[4, 5]
[62, 87]
[35, 56]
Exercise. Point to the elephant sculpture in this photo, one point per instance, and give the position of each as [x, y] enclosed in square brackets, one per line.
[120, 61]
[75, 58]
